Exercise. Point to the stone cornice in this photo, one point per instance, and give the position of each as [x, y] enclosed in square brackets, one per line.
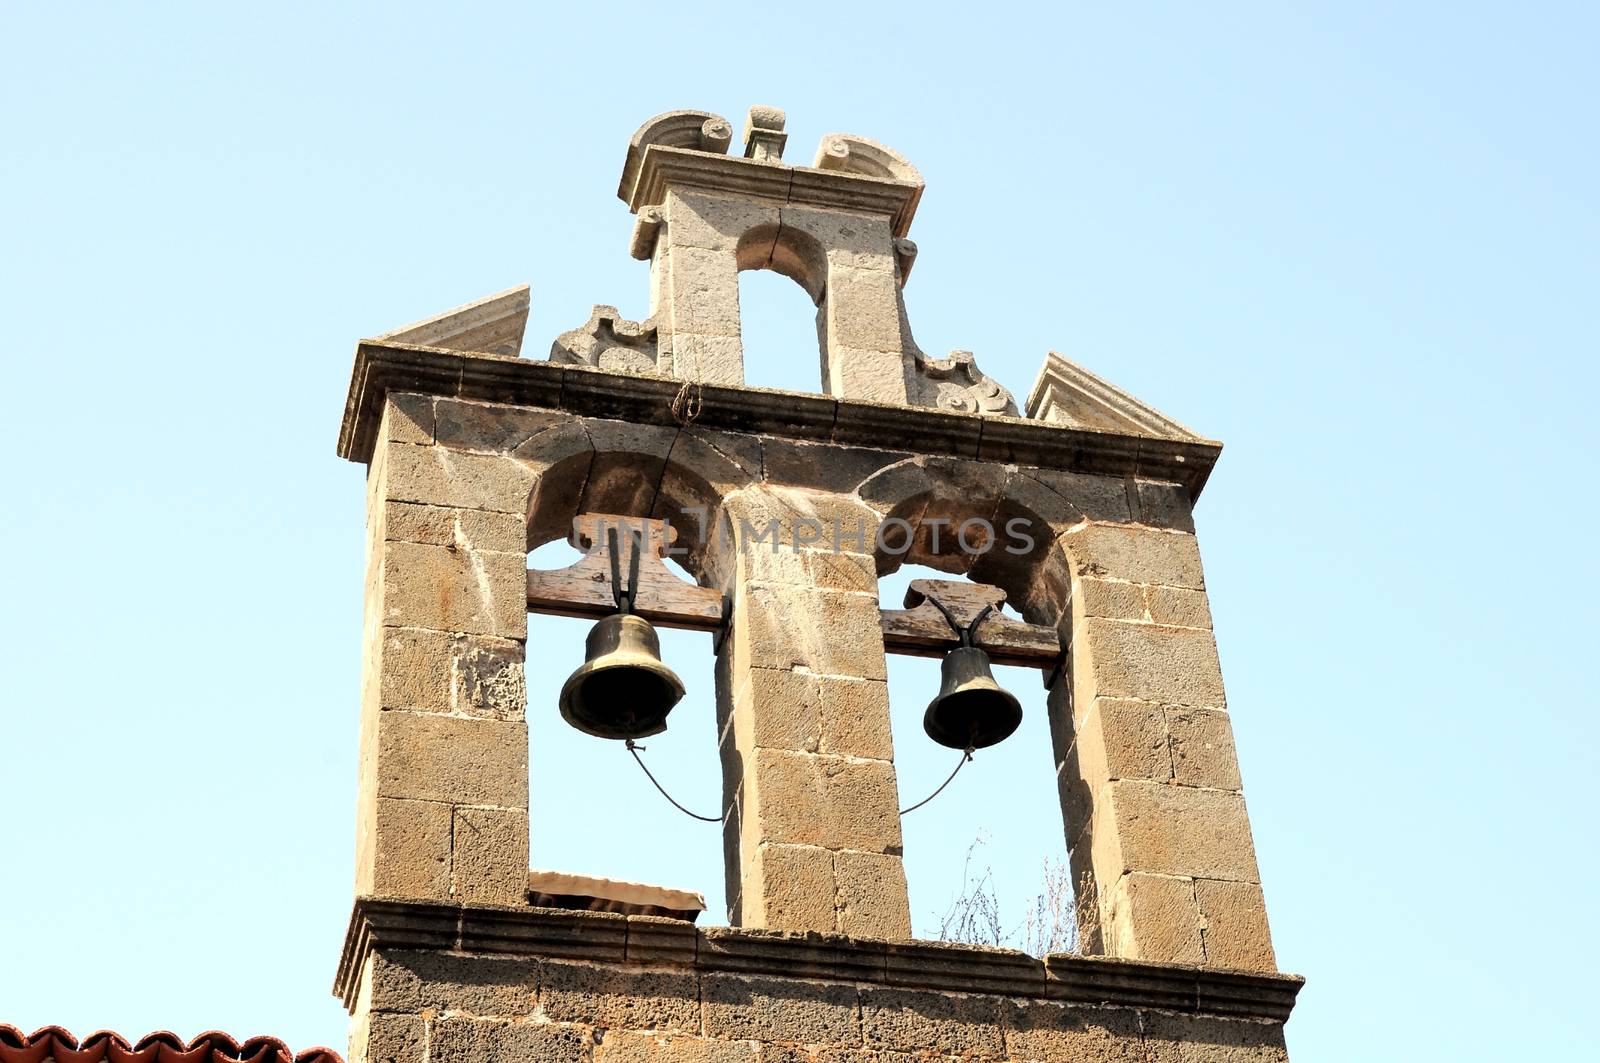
[919, 965]
[661, 167]
[383, 368]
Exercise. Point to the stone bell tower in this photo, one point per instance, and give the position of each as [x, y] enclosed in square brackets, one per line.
[787, 508]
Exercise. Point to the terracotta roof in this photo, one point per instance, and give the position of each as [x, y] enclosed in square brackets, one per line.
[52, 1042]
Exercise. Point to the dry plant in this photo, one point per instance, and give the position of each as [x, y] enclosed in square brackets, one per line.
[1050, 923]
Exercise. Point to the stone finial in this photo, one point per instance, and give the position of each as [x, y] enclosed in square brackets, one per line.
[764, 137]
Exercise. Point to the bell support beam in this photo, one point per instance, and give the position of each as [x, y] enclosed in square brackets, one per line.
[581, 590]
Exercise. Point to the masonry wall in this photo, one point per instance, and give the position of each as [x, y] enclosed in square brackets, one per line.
[717, 996]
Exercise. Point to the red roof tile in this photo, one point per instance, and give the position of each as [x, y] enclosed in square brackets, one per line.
[53, 1042]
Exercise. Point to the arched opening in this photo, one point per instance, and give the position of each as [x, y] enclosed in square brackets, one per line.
[986, 860]
[782, 274]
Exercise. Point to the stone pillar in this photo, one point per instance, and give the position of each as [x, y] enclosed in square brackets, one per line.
[865, 338]
[813, 842]
[443, 798]
[1150, 782]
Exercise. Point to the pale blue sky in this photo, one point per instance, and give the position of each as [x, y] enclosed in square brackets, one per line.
[1356, 242]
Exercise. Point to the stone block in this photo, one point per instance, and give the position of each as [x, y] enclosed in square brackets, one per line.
[872, 900]
[1089, 497]
[1047, 1032]
[1112, 599]
[853, 241]
[789, 627]
[1150, 917]
[715, 223]
[820, 568]
[471, 591]
[1172, 1038]
[855, 718]
[1172, 830]
[426, 757]
[613, 997]
[407, 418]
[1236, 933]
[707, 359]
[789, 887]
[490, 426]
[1164, 505]
[1120, 739]
[489, 855]
[434, 671]
[1138, 555]
[459, 1040]
[780, 1009]
[441, 981]
[704, 287]
[1169, 665]
[468, 529]
[1176, 607]
[627, 1046]
[862, 308]
[866, 373]
[776, 709]
[1202, 749]
[932, 1023]
[439, 476]
[409, 850]
[390, 1039]
[832, 802]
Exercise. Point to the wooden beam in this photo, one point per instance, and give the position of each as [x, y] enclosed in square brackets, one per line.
[584, 590]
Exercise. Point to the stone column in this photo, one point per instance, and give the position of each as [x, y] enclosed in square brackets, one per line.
[443, 799]
[813, 842]
[1150, 782]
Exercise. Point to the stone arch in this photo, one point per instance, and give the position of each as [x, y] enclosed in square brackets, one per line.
[792, 252]
[659, 472]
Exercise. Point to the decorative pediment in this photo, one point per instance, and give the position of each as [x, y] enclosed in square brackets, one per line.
[492, 325]
[1068, 394]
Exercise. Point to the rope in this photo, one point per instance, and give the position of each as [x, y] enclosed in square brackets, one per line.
[966, 755]
[686, 404]
[634, 749]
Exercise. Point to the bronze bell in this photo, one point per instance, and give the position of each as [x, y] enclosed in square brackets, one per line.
[622, 690]
[972, 711]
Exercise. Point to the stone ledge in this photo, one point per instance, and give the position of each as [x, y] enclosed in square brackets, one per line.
[933, 966]
[382, 368]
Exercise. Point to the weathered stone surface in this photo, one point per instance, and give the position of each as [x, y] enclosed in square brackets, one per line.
[1172, 830]
[610, 997]
[787, 628]
[408, 419]
[444, 758]
[439, 476]
[406, 980]
[490, 427]
[1164, 505]
[489, 855]
[714, 222]
[1152, 917]
[409, 850]
[788, 887]
[483, 1041]
[780, 1009]
[1235, 919]
[1166, 665]
[468, 529]
[947, 1024]
[1203, 1039]
[1202, 749]
[1176, 607]
[872, 900]
[1138, 555]
[434, 671]
[813, 799]
[1069, 1033]
[1121, 739]
[393, 1039]
[625, 1046]
[855, 718]
[471, 591]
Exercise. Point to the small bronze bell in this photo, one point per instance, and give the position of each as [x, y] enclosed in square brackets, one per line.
[622, 690]
[972, 711]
